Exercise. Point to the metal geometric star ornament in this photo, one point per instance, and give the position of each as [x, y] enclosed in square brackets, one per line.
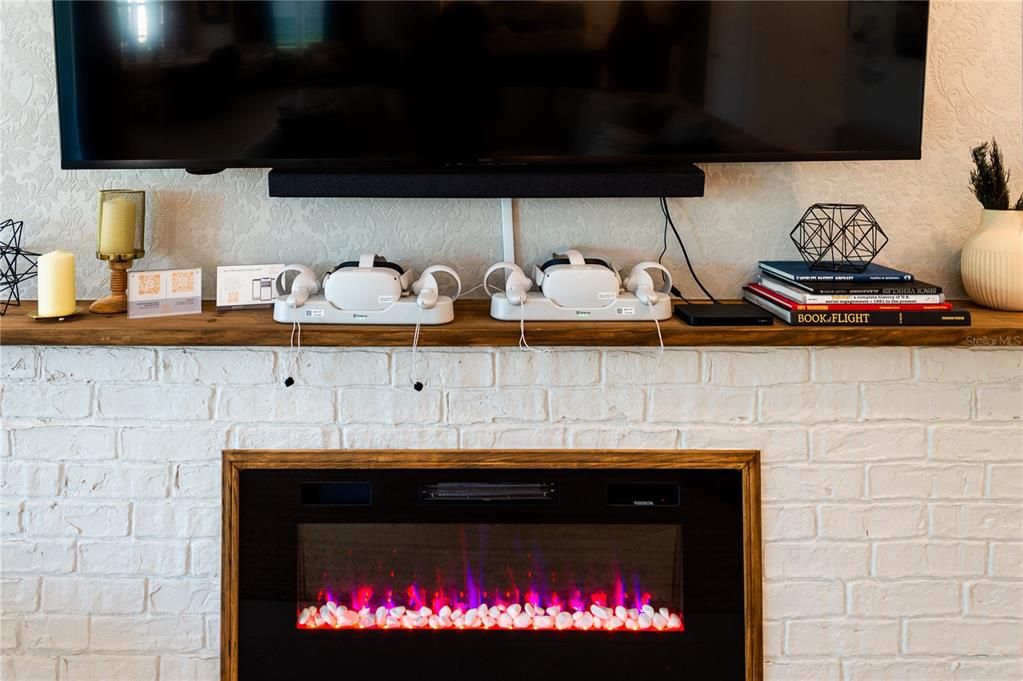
[838, 237]
[16, 265]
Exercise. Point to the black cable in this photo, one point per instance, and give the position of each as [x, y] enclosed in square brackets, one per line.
[685, 253]
[660, 261]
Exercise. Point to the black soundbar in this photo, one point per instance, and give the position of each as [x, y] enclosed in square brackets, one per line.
[491, 182]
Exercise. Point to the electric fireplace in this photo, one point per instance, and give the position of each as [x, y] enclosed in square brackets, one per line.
[498, 564]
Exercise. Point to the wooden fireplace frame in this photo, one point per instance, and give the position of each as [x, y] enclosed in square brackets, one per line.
[746, 461]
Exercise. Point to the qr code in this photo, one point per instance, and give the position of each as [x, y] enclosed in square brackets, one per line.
[149, 284]
[182, 282]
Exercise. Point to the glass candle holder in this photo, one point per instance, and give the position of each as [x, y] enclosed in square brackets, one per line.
[120, 239]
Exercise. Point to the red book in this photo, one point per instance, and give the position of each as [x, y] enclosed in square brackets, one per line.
[790, 304]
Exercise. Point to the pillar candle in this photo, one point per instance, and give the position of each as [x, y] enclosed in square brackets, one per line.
[56, 276]
[117, 227]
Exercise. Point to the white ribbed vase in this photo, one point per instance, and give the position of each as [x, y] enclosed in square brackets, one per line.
[992, 261]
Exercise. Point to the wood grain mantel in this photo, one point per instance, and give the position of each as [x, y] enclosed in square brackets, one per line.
[746, 461]
[473, 326]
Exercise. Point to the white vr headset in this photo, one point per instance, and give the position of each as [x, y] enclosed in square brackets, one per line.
[370, 284]
[571, 281]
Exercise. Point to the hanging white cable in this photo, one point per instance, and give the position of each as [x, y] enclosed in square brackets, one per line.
[416, 384]
[292, 357]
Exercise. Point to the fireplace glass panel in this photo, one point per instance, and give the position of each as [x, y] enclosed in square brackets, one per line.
[589, 577]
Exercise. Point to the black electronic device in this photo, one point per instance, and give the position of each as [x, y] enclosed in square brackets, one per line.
[722, 314]
[433, 91]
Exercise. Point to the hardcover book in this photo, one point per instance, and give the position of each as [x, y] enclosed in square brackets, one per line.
[797, 270]
[952, 317]
[847, 305]
[888, 288]
[799, 295]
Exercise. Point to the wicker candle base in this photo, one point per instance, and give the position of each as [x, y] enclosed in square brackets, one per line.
[117, 301]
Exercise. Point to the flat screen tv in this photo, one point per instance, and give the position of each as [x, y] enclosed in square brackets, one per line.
[404, 85]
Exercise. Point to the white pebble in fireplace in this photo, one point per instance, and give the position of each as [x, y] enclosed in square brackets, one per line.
[893, 538]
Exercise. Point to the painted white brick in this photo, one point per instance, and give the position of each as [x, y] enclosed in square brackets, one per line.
[513, 438]
[1006, 482]
[995, 599]
[204, 557]
[333, 368]
[368, 437]
[18, 362]
[977, 521]
[1006, 559]
[46, 400]
[147, 634]
[197, 480]
[790, 560]
[1000, 402]
[648, 367]
[184, 596]
[124, 557]
[98, 364]
[836, 365]
[497, 406]
[175, 668]
[915, 559]
[789, 483]
[31, 479]
[802, 670]
[597, 404]
[10, 516]
[625, 437]
[897, 670]
[445, 368]
[286, 437]
[276, 403]
[63, 442]
[19, 594]
[774, 638]
[120, 480]
[93, 596]
[212, 630]
[701, 404]
[182, 443]
[49, 556]
[788, 522]
[141, 401]
[867, 443]
[28, 668]
[758, 367]
[554, 368]
[969, 443]
[959, 365]
[10, 633]
[904, 598]
[75, 517]
[874, 521]
[808, 403]
[111, 667]
[928, 481]
[888, 401]
[68, 633]
[984, 669]
[181, 518]
[963, 637]
[776, 444]
[390, 405]
[803, 599]
[229, 365]
[843, 637]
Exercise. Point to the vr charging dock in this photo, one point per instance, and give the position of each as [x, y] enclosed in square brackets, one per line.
[625, 308]
[404, 311]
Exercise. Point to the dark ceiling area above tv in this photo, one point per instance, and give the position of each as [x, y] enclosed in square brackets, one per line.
[429, 86]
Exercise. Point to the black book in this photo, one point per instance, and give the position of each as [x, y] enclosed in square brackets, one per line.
[873, 288]
[871, 318]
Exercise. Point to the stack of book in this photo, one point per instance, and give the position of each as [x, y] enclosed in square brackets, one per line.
[877, 296]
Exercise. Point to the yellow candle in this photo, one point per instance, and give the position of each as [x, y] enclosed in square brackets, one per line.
[56, 276]
[117, 227]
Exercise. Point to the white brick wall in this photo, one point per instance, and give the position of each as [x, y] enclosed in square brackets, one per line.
[893, 485]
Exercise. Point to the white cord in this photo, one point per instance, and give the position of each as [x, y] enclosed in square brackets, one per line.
[660, 338]
[415, 346]
[465, 293]
[295, 325]
[523, 345]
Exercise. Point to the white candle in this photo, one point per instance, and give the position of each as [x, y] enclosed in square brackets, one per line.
[56, 275]
[117, 227]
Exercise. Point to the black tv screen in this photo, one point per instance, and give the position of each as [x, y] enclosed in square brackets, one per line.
[349, 85]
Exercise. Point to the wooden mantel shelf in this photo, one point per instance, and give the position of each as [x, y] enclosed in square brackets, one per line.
[474, 327]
